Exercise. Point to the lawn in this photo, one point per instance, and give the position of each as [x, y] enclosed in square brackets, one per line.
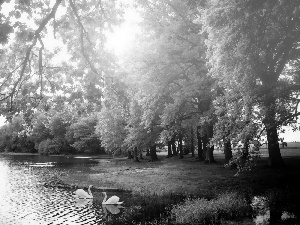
[188, 176]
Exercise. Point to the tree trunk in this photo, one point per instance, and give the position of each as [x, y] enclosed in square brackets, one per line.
[200, 149]
[209, 156]
[153, 153]
[169, 149]
[275, 158]
[135, 155]
[141, 154]
[174, 146]
[148, 152]
[227, 150]
[180, 146]
[205, 143]
[130, 156]
[192, 143]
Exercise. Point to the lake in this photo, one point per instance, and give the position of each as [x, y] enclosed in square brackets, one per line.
[25, 199]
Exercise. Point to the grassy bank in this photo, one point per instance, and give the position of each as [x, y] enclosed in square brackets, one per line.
[201, 185]
[184, 176]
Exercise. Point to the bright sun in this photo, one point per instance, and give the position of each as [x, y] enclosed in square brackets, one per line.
[123, 36]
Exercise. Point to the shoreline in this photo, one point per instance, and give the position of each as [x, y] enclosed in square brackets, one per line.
[182, 176]
[185, 176]
[18, 153]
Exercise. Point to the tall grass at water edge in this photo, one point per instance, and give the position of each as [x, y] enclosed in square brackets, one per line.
[202, 211]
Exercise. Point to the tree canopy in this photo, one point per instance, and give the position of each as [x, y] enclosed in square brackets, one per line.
[214, 71]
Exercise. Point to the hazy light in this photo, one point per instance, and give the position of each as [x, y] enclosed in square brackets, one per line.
[123, 36]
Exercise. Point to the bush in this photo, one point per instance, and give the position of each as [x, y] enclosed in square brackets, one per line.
[81, 136]
[48, 147]
[244, 160]
[226, 206]
[13, 136]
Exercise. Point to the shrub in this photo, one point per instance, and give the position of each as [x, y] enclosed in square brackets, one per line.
[81, 135]
[40, 129]
[244, 160]
[13, 136]
[48, 147]
[226, 206]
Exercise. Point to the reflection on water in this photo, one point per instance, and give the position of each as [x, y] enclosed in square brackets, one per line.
[46, 164]
[25, 200]
[265, 214]
[113, 209]
[80, 202]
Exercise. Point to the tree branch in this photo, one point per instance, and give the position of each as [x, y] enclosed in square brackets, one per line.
[28, 52]
[84, 33]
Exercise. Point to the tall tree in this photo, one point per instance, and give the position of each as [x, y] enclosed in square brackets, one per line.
[112, 119]
[255, 45]
[171, 68]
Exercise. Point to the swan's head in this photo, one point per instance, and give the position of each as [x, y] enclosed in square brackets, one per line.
[90, 186]
[104, 193]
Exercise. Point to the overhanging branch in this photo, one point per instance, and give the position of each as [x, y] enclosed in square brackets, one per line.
[28, 52]
[84, 34]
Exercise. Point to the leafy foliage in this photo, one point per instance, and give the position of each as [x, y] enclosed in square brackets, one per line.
[250, 49]
[14, 138]
[81, 135]
[111, 126]
[49, 147]
[244, 159]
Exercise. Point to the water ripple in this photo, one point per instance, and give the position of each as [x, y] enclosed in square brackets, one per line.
[24, 200]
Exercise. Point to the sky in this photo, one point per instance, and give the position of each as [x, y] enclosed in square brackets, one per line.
[290, 136]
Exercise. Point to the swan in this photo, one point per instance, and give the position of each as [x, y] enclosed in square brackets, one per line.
[80, 193]
[113, 209]
[113, 200]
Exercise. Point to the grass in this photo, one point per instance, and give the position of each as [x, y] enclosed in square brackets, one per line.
[202, 211]
[184, 176]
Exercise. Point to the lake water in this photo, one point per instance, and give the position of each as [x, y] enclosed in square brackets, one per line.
[24, 199]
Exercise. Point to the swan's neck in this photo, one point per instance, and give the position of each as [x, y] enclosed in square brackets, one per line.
[89, 191]
[105, 196]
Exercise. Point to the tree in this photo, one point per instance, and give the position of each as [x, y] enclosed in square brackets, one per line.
[81, 135]
[169, 69]
[14, 136]
[28, 68]
[112, 120]
[254, 45]
[137, 134]
[40, 129]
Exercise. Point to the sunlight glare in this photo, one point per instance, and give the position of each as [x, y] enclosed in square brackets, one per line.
[123, 36]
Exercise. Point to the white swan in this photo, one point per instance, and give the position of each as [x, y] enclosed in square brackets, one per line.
[80, 193]
[113, 200]
[113, 209]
